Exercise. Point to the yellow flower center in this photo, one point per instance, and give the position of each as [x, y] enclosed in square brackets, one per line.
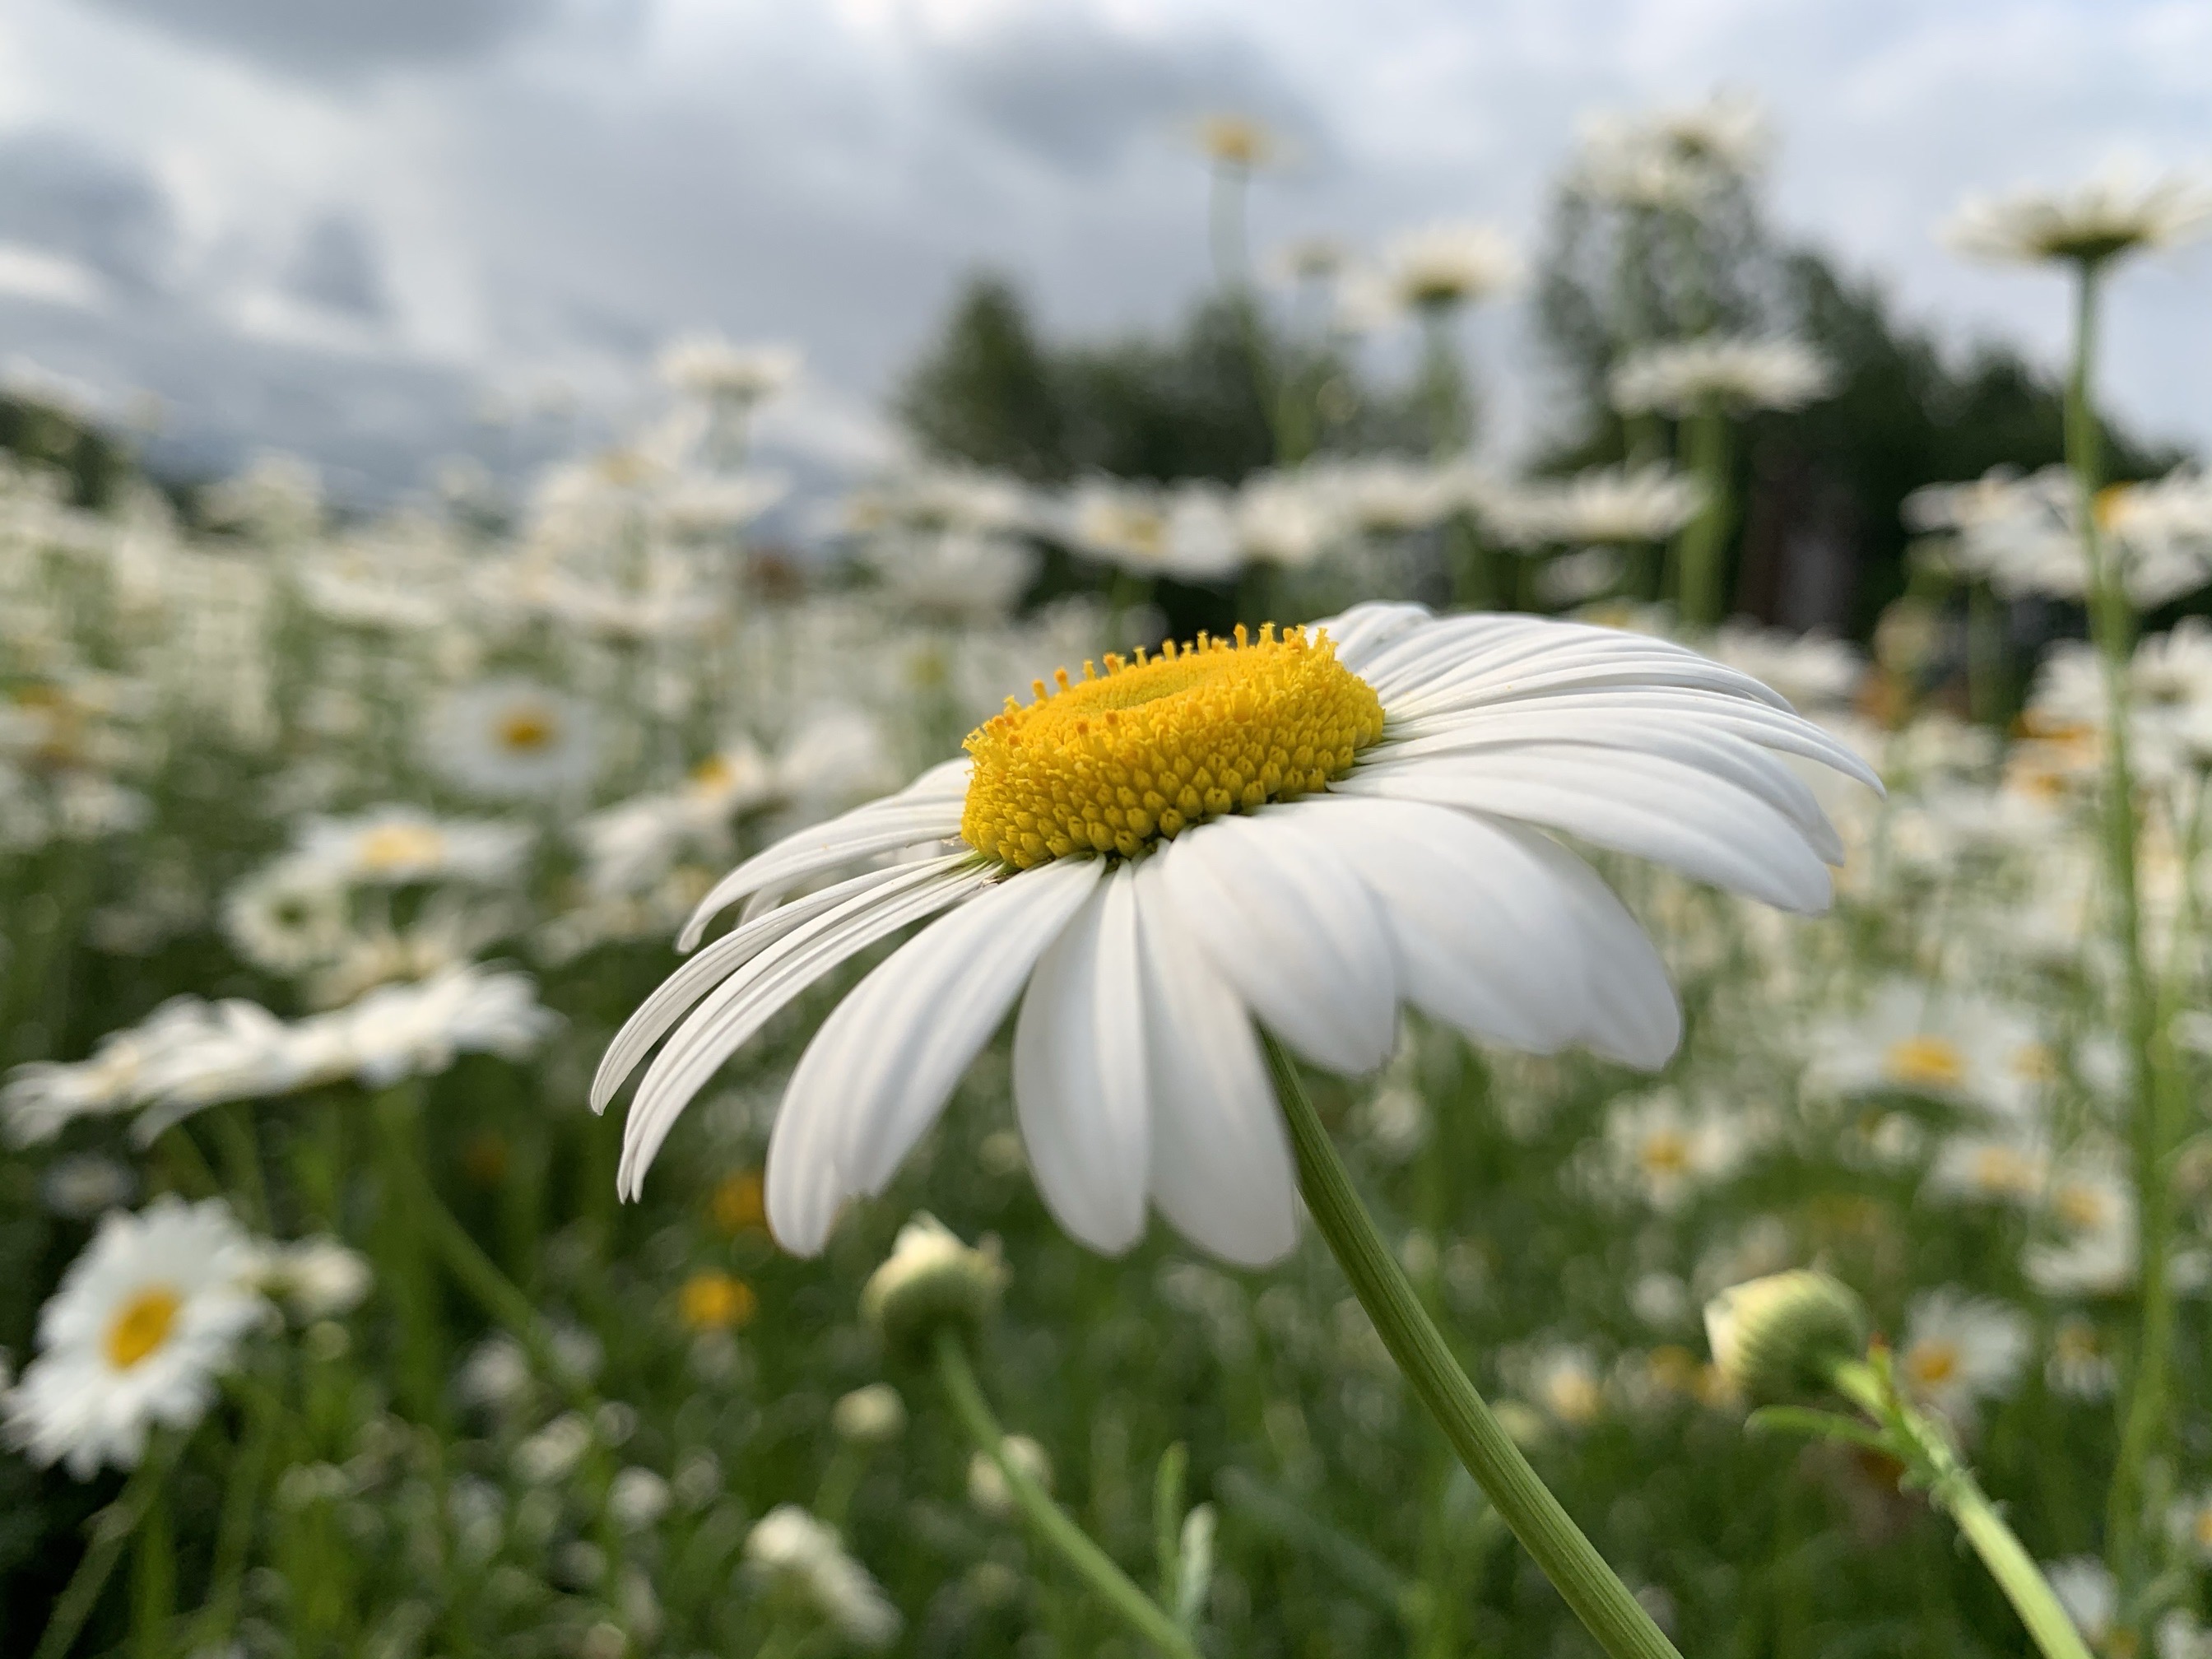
[2080, 1207]
[1924, 1062]
[1111, 763]
[142, 1326]
[1666, 1152]
[1931, 1365]
[527, 730]
[713, 1301]
[400, 846]
[2004, 1169]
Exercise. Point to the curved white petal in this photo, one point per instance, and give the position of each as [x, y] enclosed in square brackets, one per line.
[1486, 939]
[886, 1059]
[927, 810]
[1221, 1166]
[1289, 924]
[694, 979]
[1361, 632]
[754, 993]
[1635, 804]
[1080, 1085]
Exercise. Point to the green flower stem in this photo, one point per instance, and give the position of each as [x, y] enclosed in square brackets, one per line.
[242, 1501]
[2144, 1423]
[406, 1263]
[1702, 596]
[1598, 1597]
[1927, 1450]
[1053, 1525]
[153, 1578]
[112, 1528]
[1985, 653]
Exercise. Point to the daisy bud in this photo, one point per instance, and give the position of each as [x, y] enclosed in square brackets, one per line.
[1779, 1337]
[931, 1279]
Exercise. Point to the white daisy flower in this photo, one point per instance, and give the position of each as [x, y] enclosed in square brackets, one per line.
[2087, 224]
[2080, 1365]
[963, 576]
[288, 918]
[418, 1029]
[1186, 531]
[143, 1323]
[1307, 831]
[1815, 671]
[394, 846]
[2023, 535]
[1732, 371]
[1666, 1152]
[1605, 505]
[1911, 1039]
[710, 366]
[804, 1557]
[1442, 266]
[513, 739]
[1959, 1350]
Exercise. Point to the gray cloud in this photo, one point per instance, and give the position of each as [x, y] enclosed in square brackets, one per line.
[1079, 96]
[336, 268]
[342, 39]
[69, 197]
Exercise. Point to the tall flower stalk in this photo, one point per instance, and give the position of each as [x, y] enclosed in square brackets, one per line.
[2145, 1410]
[1606, 1607]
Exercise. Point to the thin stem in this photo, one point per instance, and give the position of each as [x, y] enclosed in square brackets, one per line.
[1569, 1559]
[153, 1578]
[111, 1530]
[242, 1503]
[1952, 1489]
[1052, 1523]
[1703, 595]
[2113, 622]
[413, 1288]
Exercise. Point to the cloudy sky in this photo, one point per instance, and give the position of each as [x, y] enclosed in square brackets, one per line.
[340, 226]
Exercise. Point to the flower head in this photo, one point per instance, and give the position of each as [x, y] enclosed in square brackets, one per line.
[802, 1559]
[145, 1322]
[1730, 372]
[1779, 1337]
[1441, 267]
[931, 1279]
[2088, 224]
[511, 738]
[1959, 1350]
[1306, 831]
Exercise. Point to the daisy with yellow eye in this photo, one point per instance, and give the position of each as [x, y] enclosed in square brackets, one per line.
[1292, 832]
[144, 1323]
[513, 739]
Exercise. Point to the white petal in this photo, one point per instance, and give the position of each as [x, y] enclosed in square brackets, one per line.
[694, 979]
[914, 817]
[1290, 924]
[1080, 1076]
[1634, 804]
[1632, 1014]
[1365, 629]
[753, 995]
[1221, 1167]
[886, 1059]
[1486, 939]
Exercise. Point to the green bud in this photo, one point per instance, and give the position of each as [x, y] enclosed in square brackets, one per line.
[1781, 1337]
[930, 1280]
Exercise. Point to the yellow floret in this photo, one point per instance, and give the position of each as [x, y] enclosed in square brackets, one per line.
[1111, 763]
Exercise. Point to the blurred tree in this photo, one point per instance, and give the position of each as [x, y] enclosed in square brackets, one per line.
[1187, 405]
[95, 464]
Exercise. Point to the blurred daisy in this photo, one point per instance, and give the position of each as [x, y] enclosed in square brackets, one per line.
[2023, 535]
[1675, 158]
[2087, 225]
[2190, 1521]
[511, 738]
[289, 917]
[1564, 1383]
[1815, 671]
[1666, 1152]
[1306, 830]
[1911, 1039]
[1604, 505]
[1736, 372]
[1186, 531]
[1959, 1350]
[1441, 267]
[2085, 1588]
[42, 1097]
[802, 1559]
[395, 846]
[2080, 1363]
[86, 1184]
[718, 370]
[1231, 140]
[145, 1322]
